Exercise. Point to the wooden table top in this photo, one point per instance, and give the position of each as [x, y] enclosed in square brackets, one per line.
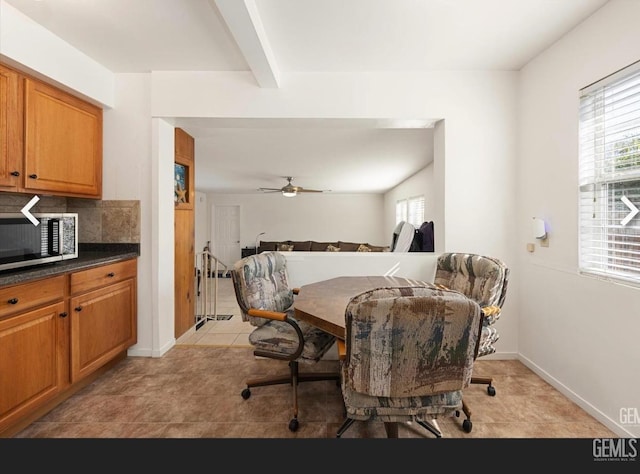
[323, 303]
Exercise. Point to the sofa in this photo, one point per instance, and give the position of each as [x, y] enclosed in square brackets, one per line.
[314, 246]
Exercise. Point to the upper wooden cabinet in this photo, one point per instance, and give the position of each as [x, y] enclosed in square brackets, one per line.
[63, 142]
[10, 129]
[53, 139]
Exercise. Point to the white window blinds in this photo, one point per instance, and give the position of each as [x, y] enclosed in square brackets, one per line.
[415, 213]
[410, 210]
[609, 176]
[401, 211]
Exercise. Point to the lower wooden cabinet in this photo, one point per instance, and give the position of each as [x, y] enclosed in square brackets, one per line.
[101, 326]
[57, 332]
[31, 365]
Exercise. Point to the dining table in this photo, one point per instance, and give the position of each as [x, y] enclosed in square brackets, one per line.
[323, 303]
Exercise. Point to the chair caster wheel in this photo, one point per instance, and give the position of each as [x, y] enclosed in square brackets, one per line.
[246, 393]
[457, 413]
[293, 424]
[467, 425]
[491, 390]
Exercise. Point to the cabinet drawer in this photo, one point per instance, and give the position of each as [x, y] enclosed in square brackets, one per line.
[25, 296]
[101, 276]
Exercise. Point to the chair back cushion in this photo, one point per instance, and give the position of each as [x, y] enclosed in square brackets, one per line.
[410, 341]
[483, 279]
[261, 282]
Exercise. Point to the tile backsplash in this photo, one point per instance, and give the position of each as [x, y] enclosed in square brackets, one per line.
[14, 202]
[98, 221]
[106, 221]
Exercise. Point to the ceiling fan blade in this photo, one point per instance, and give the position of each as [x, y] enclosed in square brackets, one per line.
[291, 190]
[304, 190]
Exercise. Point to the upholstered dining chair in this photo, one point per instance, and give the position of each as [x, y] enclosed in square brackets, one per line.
[265, 299]
[484, 280]
[409, 353]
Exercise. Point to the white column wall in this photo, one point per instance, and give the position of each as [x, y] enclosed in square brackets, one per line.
[578, 332]
[126, 174]
[162, 244]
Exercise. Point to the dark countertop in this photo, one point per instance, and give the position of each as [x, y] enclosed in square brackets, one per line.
[89, 255]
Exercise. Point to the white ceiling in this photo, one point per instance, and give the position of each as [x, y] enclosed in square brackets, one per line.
[271, 37]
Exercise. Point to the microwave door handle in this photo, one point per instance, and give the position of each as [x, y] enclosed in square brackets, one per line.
[60, 236]
[54, 230]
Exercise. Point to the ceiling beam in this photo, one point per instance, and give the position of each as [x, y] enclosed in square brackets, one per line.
[244, 23]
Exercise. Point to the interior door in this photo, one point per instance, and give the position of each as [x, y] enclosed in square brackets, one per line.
[226, 244]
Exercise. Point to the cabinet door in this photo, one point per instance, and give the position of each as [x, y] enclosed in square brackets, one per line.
[63, 143]
[10, 130]
[31, 363]
[184, 238]
[184, 272]
[103, 324]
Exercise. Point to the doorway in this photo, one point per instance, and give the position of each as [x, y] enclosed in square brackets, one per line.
[226, 243]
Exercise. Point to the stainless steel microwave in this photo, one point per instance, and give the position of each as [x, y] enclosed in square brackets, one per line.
[51, 238]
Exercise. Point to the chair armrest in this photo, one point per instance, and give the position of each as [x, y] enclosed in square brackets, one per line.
[284, 317]
[491, 310]
[491, 314]
[263, 313]
[342, 349]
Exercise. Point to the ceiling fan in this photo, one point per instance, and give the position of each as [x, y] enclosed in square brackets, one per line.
[289, 190]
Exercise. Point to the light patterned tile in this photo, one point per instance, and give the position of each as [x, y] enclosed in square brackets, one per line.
[242, 340]
[216, 339]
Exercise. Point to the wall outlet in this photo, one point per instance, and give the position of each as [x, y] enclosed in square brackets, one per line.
[531, 247]
[544, 242]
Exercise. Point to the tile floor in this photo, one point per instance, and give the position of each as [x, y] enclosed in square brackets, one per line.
[193, 391]
[214, 332]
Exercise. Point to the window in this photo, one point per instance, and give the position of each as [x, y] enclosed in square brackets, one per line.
[410, 210]
[609, 176]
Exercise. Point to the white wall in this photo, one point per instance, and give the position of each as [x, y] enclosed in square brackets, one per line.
[328, 217]
[579, 332]
[323, 217]
[479, 109]
[309, 267]
[162, 330]
[202, 221]
[127, 168]
[26, 45]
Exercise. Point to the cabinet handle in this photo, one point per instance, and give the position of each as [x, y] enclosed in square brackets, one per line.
[111, 274]
[63, 315]
[13, 301]
[15, 173]
[78, 309]
[33, 176]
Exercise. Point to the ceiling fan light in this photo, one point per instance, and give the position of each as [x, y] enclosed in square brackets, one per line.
[289, 194]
